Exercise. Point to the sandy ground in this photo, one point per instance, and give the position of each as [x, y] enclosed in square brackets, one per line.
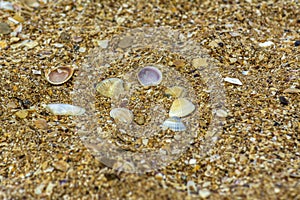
[257, 155]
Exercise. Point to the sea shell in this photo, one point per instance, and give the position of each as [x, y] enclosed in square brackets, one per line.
[181, 107]
[59, 75]
[176, 91]
[174, 123]
[111, 87]
[65, 109]
[122, 115]
[149, 76]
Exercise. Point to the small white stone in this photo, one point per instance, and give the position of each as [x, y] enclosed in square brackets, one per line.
[191, 186]
[145, 141]
[233, 81]
[245, 72]
[266, 44]
[192, 161]
[103, 43]
[221, 113]
[36, 72]
[204, 193]
[39, 189]
[58, 45]
[82, 49]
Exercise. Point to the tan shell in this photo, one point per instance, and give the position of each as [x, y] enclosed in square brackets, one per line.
[122, 115]
[176, 91]
[181, 107]
[111, 87]
[59, 75]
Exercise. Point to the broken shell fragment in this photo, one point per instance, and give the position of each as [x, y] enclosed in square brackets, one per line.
[149, 76]
[122, 115]
[59, 75]
[65, 109]
[181, 107]
[176, 91]
[174, 123]
[111, 87]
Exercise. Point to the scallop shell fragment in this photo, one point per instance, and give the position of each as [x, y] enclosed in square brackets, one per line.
[181, 107]
[64, 109]
[59, 75]
[174, 123]
[122, 115]
[176, 91]
[149, 76]
[111, 87]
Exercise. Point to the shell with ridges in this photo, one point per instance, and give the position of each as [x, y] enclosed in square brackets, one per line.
[174, 123]
[111, 87]
[59, 75]
[149, 76]
[176, 91]
[181, 107]
[122, 115]
[64, 109]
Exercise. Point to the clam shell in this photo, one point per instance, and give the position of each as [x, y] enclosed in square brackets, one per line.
[111, 87]
[59, 75]
[176, 91]
[181, 107]
[122, 115]
[174, 123]
[149, 76]
[64, 109]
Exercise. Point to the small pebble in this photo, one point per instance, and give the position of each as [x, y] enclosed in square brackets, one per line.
[39, 189]
[61, 165]
[283, 100]
[22, 114]
[233, 81]
[103, 43]
[41, 124]
[297, 43]
[191, 186]
[291, 90]
[82, 49]
[266, 44]
[204, 193]
[221, 113]
[4, 28]
[192, 161]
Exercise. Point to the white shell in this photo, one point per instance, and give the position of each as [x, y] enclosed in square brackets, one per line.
[233, 81]
[111, 87]
[122, 115]
[181, 107]
[174, 123]
[65, 109]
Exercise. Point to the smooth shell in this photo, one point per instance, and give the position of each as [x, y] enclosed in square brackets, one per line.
[181, 107]
[176, 91]
[174, 123]
[65, 109]
[111, 87]
[59, 75]
[149, 76]
[122, 115]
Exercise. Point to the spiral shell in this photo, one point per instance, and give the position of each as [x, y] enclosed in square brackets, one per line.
[181, 107]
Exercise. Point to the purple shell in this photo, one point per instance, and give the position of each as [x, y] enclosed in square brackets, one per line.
[149, 76]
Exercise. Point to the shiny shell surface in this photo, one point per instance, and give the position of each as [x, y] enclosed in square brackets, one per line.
[181, 107]
[174, 123]
[176, 91]
[149, 76]
[111, 87]
[122, 115]
[64, 109]
[59, 75]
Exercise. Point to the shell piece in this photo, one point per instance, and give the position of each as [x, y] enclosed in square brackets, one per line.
[149, 76]
[174, 123]
[65, 109]
[176, 91]
[59, 75]
[181, 107]
[122, 115]
[111, 87]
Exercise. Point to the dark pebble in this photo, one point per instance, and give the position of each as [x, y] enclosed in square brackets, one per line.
[297, 43]
[283, 100]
